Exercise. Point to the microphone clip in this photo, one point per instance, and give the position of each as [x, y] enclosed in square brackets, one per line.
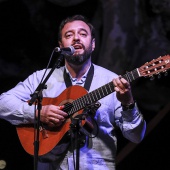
[69, 51]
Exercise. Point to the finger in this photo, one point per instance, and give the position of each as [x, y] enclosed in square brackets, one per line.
[119, 84]
[61, 107]
[115, 82]
[124, 82]
[57, 110]
[56, 121]
[59, 117]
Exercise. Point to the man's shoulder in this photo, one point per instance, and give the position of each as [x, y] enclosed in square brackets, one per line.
[103, 70]
[44, 72]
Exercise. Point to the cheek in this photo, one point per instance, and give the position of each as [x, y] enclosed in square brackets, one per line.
[66, 42]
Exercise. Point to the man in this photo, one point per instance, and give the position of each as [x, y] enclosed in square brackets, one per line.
[116, 106]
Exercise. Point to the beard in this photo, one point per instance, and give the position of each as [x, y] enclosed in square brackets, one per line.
[79, 59]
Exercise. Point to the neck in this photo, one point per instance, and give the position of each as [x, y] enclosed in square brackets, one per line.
[77, 71]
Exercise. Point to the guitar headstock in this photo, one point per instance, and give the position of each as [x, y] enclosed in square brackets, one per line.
[155, 67]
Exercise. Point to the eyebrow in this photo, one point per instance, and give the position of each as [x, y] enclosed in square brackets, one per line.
[81, 29]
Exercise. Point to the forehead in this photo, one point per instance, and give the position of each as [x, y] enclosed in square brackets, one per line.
[75, 26]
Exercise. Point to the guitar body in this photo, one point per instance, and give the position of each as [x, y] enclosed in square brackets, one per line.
[48, 139]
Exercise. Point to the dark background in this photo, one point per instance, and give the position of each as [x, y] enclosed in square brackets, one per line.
[128, 34]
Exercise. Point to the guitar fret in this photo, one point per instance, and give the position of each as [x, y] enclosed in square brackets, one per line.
[102, 91]
[130, 76]
[105, 92]
[108, 89]
[135, 74]
[93, 96]
[127, 77]
[84, 101]
[90, 99]
[98, 92]
[67, 107]
[109, 85]
[73, 108]
[78, 105]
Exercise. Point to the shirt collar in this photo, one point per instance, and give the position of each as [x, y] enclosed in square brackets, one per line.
[74, 80]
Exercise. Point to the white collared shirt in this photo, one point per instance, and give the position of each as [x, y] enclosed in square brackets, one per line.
[75, 81]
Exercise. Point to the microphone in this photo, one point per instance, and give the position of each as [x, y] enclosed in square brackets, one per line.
[65, 50]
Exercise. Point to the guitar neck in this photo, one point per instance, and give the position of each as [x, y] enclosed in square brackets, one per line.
[99, 93]
[133, 75]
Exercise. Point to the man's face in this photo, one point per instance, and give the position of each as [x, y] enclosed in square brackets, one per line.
[78, 35]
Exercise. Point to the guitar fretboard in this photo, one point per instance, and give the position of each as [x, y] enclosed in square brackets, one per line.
[133, 75]
[99, 93]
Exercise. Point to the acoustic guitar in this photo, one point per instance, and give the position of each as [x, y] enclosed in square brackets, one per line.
[75, 99]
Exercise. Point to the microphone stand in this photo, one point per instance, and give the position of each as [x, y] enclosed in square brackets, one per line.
[75, 127]
[36, 97]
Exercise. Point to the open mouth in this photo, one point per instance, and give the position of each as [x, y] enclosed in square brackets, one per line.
[77, 46]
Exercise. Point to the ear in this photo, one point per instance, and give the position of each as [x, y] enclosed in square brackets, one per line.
[60, 44]
[93, 44]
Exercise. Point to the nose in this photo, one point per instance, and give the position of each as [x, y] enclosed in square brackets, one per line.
[76, 37]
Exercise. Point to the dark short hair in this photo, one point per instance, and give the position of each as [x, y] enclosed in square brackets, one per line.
[74, 18]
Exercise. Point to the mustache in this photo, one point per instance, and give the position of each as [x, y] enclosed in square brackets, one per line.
[78, 43]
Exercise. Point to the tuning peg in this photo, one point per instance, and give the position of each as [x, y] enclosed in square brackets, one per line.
[165, 73]
[152, 78]
[159, 76]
